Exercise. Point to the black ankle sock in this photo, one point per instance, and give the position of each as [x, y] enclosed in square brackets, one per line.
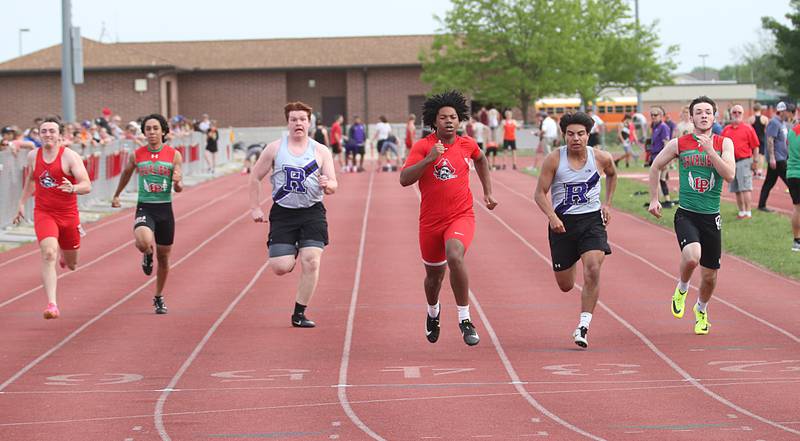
[299, 309]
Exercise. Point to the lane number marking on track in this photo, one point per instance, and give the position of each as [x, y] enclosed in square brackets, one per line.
[598, 369]
[758, 366]
[93, 379]
[417, 371]
[243, 375]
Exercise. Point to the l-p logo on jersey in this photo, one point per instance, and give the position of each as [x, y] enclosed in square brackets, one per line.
[444, 170]
[701, 185]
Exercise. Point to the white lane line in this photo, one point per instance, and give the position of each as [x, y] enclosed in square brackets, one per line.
[512, 373]
[351, 314]
[649, 343]
[159, 410]
[624, 387]
[105, 312]
[89, 230]
[764, 322]
[97, 259]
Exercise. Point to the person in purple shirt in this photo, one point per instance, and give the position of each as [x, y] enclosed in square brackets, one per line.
[661, 134]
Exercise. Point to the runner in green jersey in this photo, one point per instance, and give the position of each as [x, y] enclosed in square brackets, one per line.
[793, 181]
[705, 160]
[159, 168]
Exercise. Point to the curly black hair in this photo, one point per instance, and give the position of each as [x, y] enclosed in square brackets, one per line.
[161, 121]
[451, 98]
[576, 118]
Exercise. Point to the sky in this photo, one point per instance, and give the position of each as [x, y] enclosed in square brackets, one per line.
[717, 28]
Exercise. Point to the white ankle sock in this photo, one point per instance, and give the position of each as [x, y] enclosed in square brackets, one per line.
[463, 313]
[586, 318]
[683, 286]
[701, 306]
[433, 310]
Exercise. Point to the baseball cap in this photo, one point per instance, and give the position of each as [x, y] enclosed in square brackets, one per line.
[780, 107]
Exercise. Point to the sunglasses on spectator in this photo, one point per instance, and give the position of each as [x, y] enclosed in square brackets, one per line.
[655, 114]
[736, 113]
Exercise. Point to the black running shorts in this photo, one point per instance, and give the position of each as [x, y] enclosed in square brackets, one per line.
[794, 189]
[159, 219]
[510, 144]
[293, 228]
[705, 229]
[585, 232]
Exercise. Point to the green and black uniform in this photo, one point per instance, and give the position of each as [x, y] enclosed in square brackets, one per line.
[793, 164]
[154, 208]
[697, 218]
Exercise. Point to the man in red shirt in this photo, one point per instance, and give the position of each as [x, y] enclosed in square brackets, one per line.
[336, 141]
[58, 176]
[745, 144]
[440, 163]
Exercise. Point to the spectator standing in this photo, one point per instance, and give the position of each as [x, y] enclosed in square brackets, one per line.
[336, 141]
[745, 145]
[777, 152]
[759, 123]
[661, 134]
[212, 138]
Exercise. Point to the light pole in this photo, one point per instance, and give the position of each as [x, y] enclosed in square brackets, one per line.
[638, 91]
[20, 39]
[703, 56]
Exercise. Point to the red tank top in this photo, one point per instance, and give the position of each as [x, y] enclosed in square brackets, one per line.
[48, 197]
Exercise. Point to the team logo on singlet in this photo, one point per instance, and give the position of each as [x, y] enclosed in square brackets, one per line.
[701, 185]
[295, 176]
[47, 181]
[444, 170]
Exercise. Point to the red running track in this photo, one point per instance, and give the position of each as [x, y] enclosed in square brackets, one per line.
[226, 364]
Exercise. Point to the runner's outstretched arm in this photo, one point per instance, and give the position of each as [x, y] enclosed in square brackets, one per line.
[260, 170]
[543, 184]
[177, 172]
[124, 178]
[666, 155]
[482, 168]
[78, 170]
[607, 166]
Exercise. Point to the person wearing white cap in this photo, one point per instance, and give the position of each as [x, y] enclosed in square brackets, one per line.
[777, 152]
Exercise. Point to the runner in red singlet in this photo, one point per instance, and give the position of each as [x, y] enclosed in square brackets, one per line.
[58, 177]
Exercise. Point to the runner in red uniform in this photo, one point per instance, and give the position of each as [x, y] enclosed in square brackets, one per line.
[440, 163]
[58, 177]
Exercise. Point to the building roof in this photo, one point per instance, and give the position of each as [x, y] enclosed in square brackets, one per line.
[290, 53]
[687, 92]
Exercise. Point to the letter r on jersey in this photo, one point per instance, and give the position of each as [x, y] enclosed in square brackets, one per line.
[575, 194]
[295, 176]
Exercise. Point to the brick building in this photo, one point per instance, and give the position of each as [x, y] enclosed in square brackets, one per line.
[239, 83]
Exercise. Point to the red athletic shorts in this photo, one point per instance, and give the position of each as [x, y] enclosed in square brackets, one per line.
[66, 228]
[432, 243]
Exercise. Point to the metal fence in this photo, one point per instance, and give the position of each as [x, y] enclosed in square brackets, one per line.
[104, 165]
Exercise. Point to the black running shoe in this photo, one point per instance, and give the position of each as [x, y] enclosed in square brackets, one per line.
[468, 331]
[158, 303]
[300, 321]
[147, 263]
[432, 327]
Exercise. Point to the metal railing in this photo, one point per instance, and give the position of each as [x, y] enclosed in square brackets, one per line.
[104, 165]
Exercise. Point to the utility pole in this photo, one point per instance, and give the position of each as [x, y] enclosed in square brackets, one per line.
[638, 91]
[67, 86]
[703, 56]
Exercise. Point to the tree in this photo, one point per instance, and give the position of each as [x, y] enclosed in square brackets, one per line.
[622, 53]
[512, 52]
[507, 52]
[787, 45]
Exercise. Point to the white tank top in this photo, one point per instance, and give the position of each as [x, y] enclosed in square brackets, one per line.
[576, 191]
[295, 179]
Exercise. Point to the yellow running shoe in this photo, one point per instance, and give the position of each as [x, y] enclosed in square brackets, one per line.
[678, 303]
[701, 324]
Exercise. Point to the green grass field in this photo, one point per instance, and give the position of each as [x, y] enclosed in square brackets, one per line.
[764, 240]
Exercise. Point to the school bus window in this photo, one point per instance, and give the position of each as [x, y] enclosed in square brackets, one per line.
[619, 109]
[628, 109]
[601, 109]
